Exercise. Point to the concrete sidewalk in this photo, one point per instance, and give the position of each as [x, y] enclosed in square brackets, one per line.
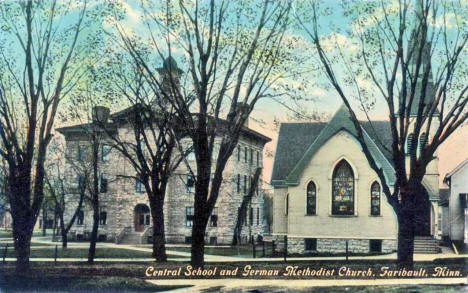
[184, 256]
[245, 285]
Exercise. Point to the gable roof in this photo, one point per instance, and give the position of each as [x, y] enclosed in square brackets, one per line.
[456, 169]
[298, 142]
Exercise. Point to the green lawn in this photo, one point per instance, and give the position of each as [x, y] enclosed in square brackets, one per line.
[78, 284]
[83, 253]
[224, 251]
[8, 234]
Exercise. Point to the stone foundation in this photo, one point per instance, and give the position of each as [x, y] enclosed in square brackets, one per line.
[332, 245]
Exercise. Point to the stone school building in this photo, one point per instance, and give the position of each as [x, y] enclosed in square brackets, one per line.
[124, 207]
[326, 194]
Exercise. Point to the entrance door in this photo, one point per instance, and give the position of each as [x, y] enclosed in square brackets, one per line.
[141, 217]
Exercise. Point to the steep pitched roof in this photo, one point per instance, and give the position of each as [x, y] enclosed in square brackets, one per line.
[456, 169]
[293, 141]
[298, 142]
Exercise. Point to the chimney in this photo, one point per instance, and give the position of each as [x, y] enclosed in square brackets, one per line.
[100, 115]
[242, 109]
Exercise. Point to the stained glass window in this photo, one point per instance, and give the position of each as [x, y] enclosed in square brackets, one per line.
[311, 198]
[375, 199]
[343, 190]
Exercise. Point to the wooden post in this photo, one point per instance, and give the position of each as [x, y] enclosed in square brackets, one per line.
[285, 247]
[346, 249]
[253, 249]
[55, 256]
[263, 248]
[5, 252]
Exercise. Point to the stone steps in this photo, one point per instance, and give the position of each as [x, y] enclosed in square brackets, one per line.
[426, 244]
[131, 238]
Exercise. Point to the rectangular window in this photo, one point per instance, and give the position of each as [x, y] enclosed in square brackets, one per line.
[258, 216]
[245, 184]
[139, 186]
[80, 182]
[102, 184]
[80, 217]
[189, 216]
[310, 244]
[245, 218]
[214, 218]
[245, 154]
[190, 183]
[258, 159]
[147, 219]
[81, 153]
[238, 183]
[251, 216]
[375, 245]
[213, 240]
[251, 157]
[105, 150]
[102, 218]
[190, 154]
[238, 152]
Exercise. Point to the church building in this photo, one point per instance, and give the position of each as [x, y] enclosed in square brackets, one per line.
[327, 197]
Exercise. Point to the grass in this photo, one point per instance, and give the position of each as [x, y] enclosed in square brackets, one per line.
[9, 233]
[224, 251]
[33, 244]
[40, 283]
[83, 253]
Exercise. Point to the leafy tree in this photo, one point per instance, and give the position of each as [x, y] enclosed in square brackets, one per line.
[41, 61]
[232, 53]
[409, 56]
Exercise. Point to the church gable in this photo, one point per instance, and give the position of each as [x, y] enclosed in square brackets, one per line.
[340, 121]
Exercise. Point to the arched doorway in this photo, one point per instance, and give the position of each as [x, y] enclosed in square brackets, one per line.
[141, 217]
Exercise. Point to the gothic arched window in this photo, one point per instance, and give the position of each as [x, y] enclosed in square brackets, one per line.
[375, 199]
[343, 189]
[311, 199]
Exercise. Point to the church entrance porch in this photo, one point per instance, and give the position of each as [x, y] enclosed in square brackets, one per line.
[141, 217]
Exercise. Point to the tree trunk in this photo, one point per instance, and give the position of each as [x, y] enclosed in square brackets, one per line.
[159, 238]
[23, 219]
[198, 241]
[94, 232]
[243, 208]
[22, 248]
[405, 237]
[44, 219]
[64, 239]
[63, 231]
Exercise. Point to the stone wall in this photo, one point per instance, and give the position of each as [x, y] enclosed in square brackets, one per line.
[121, 198]
[329, 245]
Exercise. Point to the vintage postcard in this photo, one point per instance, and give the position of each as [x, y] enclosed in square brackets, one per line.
[233, 146]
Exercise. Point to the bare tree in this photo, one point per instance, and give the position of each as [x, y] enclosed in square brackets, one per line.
[233, 53]
[40, 64]
[242, 212]
[414, 57]
[62, 193]
[152, 146]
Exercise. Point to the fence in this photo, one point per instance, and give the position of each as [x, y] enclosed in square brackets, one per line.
[6, 247]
